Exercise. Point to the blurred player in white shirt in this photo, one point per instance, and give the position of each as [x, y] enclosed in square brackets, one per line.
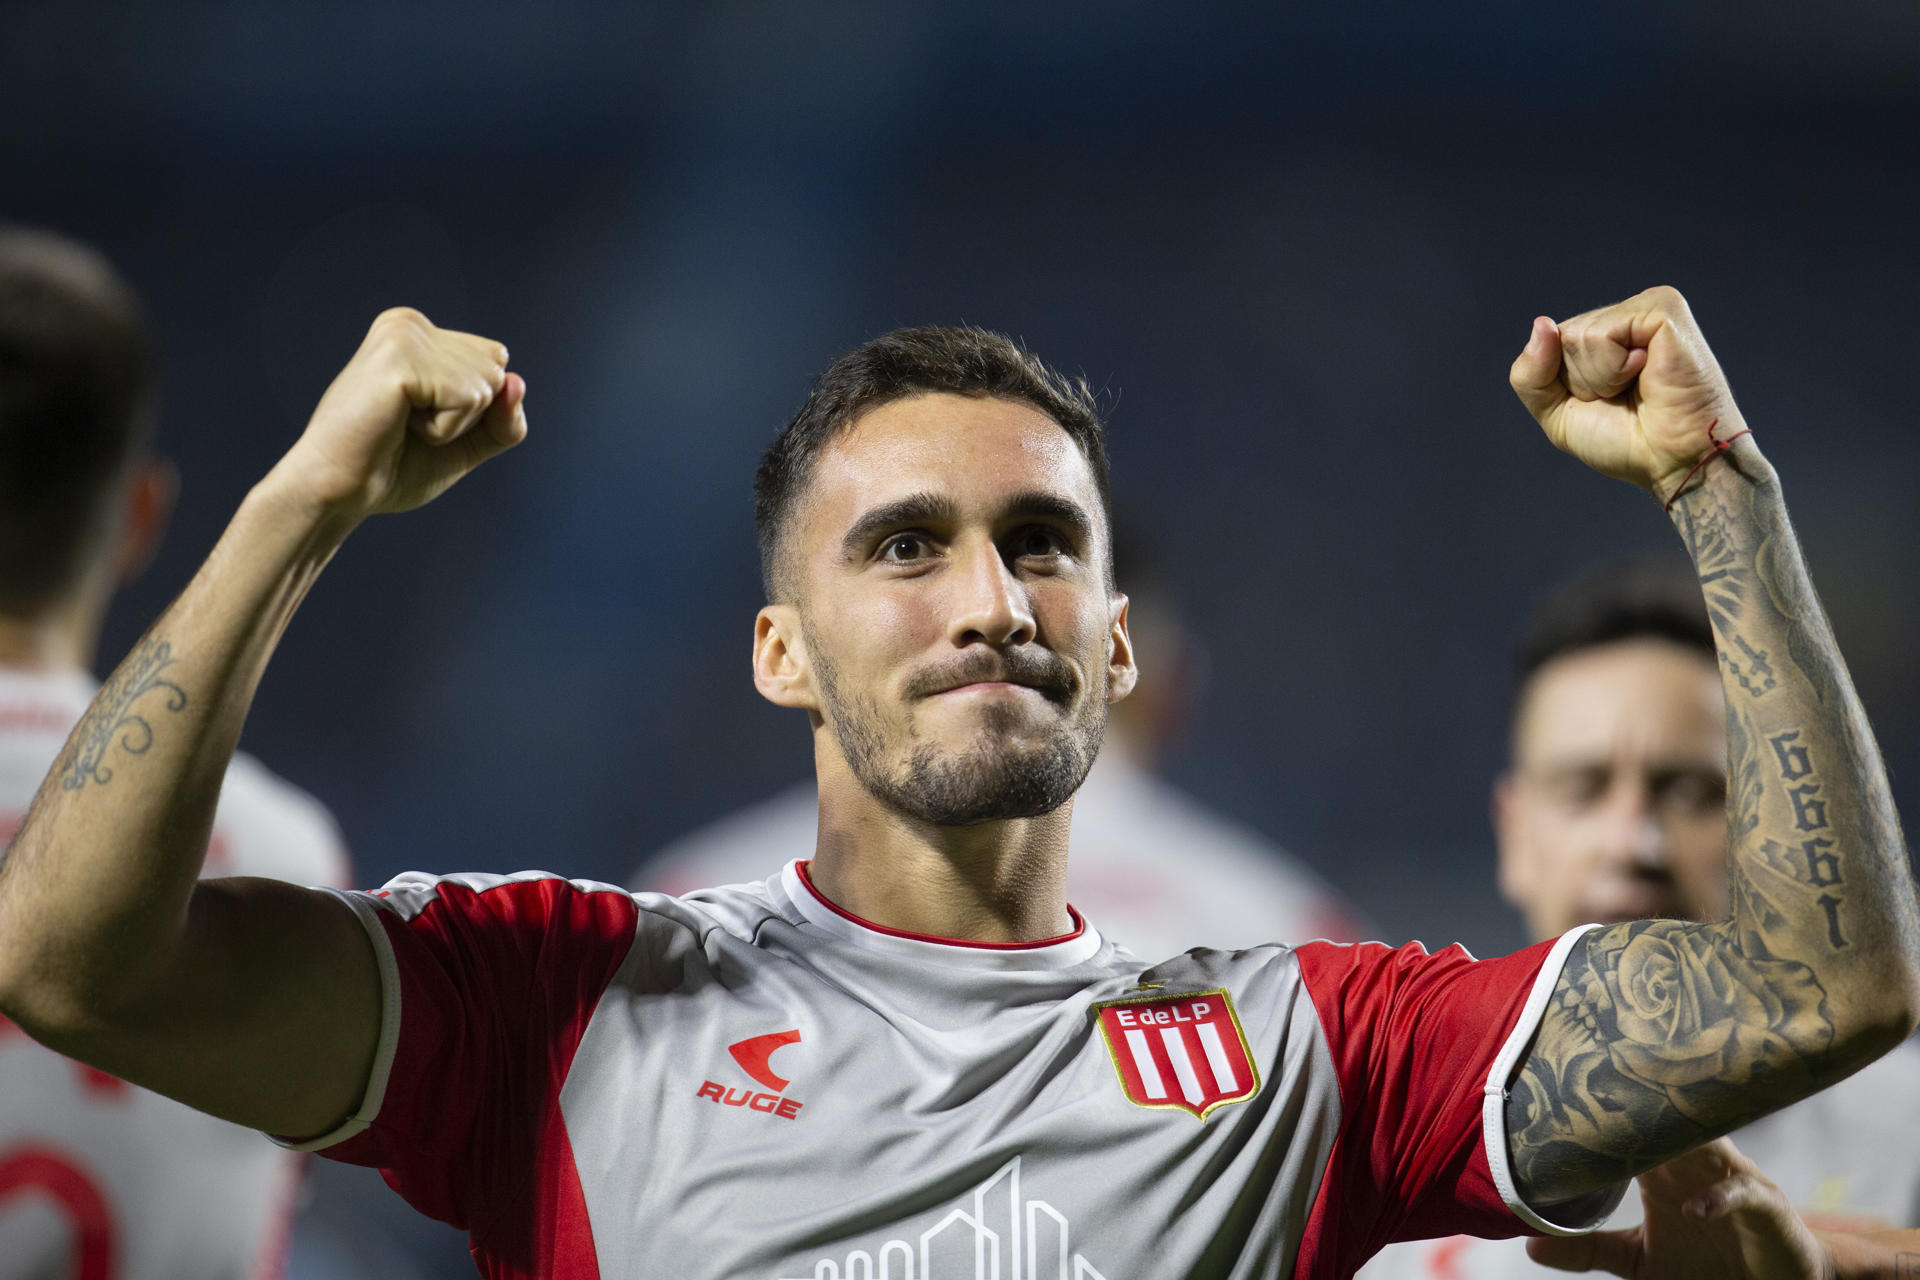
[100, 1180]
[1155, 869]
[1614, 808]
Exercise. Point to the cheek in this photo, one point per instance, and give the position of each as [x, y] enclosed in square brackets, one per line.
[874, 628]
[1560, 845]
[1071, 623]
[1700, 854]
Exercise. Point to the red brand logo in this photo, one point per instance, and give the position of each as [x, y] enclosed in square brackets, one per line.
[1184, 1052]
[753, 1056]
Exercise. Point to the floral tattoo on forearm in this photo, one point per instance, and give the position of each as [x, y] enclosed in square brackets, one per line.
[119, 715]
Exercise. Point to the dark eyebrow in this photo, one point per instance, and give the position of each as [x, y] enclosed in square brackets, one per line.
[932, 508]
[916, 508]
[1034, 504]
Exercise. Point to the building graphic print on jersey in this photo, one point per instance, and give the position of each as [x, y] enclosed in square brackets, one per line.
[1002, 1237]
[753, 1055]
[1186, 1052]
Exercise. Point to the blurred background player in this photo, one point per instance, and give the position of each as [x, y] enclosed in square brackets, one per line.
[98, 1179]
[1154, 869]
[1613, 807]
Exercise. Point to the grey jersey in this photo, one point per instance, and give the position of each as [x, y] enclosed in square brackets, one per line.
[748, 1082]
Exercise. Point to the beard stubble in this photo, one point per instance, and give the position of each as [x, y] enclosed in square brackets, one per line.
[993, 777]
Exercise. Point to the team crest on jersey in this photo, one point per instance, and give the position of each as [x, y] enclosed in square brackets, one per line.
[1185, 1052]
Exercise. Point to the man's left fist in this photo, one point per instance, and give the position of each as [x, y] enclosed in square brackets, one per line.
[1631, 389]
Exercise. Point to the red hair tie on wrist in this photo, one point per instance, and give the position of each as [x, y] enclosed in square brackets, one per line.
[1715, 448]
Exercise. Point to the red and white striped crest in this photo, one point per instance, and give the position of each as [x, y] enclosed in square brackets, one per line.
[1184, 1051]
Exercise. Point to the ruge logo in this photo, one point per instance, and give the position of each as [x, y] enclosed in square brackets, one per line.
[753, 1057]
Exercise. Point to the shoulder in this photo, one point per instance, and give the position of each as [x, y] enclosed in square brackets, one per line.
[1140, 840]
[541, 902]
[747, 845]
[266, 826]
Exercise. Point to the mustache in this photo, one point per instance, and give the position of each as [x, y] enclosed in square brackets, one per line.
[1039, 669]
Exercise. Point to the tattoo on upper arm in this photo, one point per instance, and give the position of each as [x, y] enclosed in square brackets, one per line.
[1663, 1035]
[113, 715]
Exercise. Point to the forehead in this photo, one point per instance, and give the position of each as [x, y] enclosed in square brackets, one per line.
[1650, 697]
[976, 451]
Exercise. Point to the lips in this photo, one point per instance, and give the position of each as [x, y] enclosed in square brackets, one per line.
[1045, 673]
[987, 684]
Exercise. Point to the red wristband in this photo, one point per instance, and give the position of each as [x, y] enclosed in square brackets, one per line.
[1715, 447]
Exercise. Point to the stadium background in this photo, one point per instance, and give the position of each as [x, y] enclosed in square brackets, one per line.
[1297, 246]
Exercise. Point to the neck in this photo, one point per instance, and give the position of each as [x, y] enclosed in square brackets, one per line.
[994, 882]
[58, 640]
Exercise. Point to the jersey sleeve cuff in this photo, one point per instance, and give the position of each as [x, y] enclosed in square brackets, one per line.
[363, 1116]
[1588, 1212]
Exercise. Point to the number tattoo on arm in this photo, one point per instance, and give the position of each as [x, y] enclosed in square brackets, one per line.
[1662, 1033]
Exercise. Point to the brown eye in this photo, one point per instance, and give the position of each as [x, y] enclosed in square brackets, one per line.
[903, 547]
[1578, 788]
[1699, 793]
[1039, 542]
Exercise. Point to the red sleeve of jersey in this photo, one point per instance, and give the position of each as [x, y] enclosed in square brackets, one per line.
[1414, 1038]
[495, 980]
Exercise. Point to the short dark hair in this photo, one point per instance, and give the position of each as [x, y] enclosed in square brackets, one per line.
[75, 407]
[1627, 600]
[908, 362]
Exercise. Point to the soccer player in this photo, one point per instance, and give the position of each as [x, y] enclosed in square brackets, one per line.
[1157, 869]
[907, 1055]
[1613, 808]
[99, 1178]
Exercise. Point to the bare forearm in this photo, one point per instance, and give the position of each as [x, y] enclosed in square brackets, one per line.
[95, 889]
[1821, 889]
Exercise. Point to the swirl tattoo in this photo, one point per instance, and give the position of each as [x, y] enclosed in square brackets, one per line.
[112, 713]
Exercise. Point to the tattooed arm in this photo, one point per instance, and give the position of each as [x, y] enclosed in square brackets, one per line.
[1663, 1034]
[250, 999]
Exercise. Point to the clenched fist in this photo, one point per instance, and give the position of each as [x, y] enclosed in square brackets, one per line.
[414, 410]
[1631, 389]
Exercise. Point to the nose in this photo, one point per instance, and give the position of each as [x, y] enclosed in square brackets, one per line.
[990, 603]
[1633, 831]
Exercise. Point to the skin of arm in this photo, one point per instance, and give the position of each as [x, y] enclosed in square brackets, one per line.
[1664, 1034]
[1711, 1214]
[252, 1000]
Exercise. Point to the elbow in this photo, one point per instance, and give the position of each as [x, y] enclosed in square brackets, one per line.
[47, 992]
[1871, 1018]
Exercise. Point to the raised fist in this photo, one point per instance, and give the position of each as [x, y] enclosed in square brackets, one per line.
[414, 410]
[1631, 389]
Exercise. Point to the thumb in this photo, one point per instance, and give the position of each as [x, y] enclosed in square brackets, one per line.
[1615, 1251]
[1535, 375]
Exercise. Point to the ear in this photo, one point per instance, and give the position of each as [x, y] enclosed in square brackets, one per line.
[1122, 674]
[146, 506]
[781, 671]
[1515, 875]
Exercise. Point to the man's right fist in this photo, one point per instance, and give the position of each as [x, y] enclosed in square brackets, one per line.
[414, 410]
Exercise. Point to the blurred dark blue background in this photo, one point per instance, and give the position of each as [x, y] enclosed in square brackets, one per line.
[1297, 246]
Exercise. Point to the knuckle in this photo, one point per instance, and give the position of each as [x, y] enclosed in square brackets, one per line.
[401, 318]
[1667, 298]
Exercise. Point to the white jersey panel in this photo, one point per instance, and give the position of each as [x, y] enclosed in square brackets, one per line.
[91, 1167]
[1153, 869]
